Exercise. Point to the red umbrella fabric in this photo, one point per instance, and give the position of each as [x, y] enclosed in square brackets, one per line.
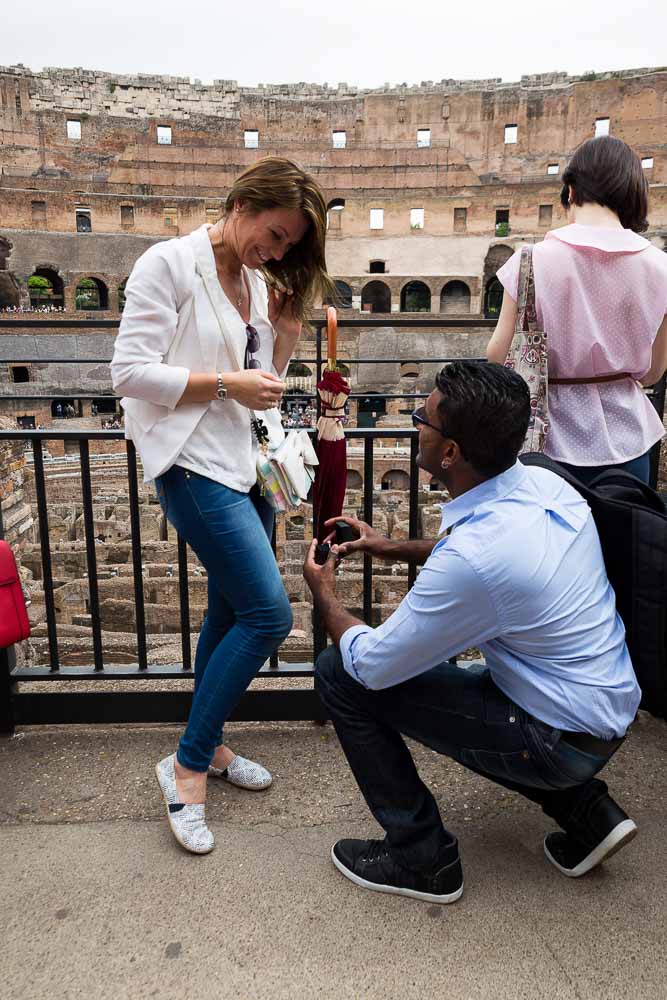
[330, 480]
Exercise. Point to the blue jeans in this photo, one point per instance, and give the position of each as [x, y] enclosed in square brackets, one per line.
[249, 613]
[461, 713]
[639, 467]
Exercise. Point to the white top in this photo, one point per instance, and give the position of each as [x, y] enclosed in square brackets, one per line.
[222, 446]
[600, 295]
[169, 329]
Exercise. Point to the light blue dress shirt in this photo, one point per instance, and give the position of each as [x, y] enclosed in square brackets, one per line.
[521, 577]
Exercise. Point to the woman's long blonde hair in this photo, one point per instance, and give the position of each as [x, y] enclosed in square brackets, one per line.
[275, 182]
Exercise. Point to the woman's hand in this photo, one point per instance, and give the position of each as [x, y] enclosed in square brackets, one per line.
[281, 314]
[254, 388]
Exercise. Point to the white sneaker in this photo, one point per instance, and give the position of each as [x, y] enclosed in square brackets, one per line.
[187, 822]
[244, 774]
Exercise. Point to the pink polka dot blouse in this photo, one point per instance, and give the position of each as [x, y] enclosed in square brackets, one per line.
[601, 295]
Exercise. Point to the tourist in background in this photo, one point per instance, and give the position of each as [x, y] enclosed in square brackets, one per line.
[188, 410]
[601, 298]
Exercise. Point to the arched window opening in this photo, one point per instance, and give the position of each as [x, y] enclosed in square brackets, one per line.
[415, 297]
[455, 298]
[298, 370]
[409, 369]
[45, 288]
[20, 373]
[493, 299]
[299, 378]
[376, 297]
[91, 295]
[493, 290]
[343, 297]
[395, 479]
[335, 214]
[377, 266]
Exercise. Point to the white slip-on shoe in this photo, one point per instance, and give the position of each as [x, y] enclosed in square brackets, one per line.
[244, 774]
[187, 822]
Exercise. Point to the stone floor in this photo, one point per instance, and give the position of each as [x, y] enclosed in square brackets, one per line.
[98, 901]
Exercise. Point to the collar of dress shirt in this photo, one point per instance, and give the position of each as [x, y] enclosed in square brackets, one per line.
[463, 506]
[612, 239]
[204, 249]
[540, 487]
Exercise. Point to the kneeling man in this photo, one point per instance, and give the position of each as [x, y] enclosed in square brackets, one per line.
[517, 572]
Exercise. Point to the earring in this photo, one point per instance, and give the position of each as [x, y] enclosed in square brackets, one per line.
[444, 465]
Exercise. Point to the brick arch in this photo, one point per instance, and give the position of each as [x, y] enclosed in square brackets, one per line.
[455, 297]
[120, 293]
[416, 293]
[498, 255]
[96, 300]
[376, 294]
[395, 479]
[58, 282]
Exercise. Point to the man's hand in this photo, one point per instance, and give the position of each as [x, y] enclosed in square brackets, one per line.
[369, 539]
[322, 582]
[320, 578]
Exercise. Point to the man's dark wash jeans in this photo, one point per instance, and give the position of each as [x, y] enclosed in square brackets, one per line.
[459, 712]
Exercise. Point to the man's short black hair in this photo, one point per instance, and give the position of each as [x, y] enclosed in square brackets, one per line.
[607, 172]
[485, 408]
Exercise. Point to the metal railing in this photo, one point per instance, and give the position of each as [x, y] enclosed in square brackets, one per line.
[19, 706]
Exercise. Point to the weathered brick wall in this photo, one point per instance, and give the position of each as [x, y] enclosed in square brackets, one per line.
[16, 512]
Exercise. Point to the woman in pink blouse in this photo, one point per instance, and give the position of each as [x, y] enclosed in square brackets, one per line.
[601, 297]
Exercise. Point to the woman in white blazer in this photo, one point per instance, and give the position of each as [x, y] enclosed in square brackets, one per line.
[209, 325]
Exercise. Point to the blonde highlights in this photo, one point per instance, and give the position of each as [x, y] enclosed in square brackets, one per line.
[276, 182]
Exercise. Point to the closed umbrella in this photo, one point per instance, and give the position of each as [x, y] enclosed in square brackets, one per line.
[330, 481]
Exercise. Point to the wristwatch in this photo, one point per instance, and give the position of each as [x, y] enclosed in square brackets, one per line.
[221, 390]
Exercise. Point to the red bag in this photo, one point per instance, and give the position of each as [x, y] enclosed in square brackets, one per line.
[14, 624]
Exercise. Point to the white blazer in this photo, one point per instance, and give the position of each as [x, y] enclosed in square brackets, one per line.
[159, 343]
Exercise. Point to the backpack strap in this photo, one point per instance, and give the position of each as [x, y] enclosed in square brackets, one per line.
[636, 489]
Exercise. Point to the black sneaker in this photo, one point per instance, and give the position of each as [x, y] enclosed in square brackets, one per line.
[608, 829]
[369, 864]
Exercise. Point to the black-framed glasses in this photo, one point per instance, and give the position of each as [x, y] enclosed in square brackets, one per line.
[251, 347]
[418, 420]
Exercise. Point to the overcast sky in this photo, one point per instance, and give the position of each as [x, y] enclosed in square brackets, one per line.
[356, 41]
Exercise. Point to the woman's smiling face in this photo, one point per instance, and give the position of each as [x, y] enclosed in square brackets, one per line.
[266, 235]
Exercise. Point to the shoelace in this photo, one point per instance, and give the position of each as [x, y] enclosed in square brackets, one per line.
[377, 851]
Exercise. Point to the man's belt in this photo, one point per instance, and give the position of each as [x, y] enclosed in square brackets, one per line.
[591, 744]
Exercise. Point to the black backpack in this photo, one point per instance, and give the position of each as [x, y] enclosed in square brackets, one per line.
[632, 524]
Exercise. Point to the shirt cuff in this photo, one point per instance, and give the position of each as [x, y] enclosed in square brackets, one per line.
[175, 384]
[345, 645]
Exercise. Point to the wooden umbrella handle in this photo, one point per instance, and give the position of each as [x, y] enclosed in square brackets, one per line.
[332, 337]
